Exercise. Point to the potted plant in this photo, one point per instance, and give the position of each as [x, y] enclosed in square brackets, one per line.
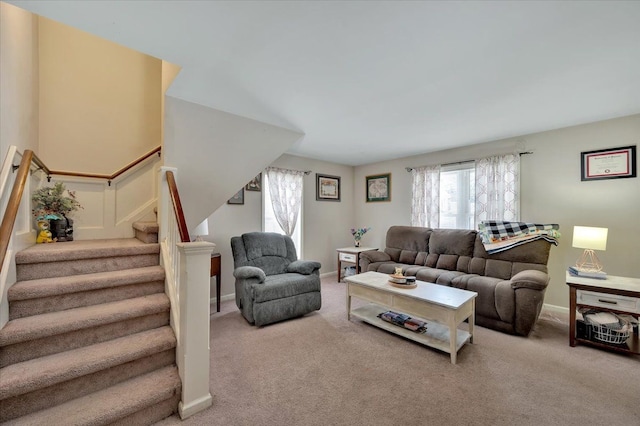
[55, 203]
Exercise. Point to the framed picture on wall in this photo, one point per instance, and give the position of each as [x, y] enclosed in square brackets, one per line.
[327, 188]
[612, 163]
[379, 187]
[238, 198]
[255, 184]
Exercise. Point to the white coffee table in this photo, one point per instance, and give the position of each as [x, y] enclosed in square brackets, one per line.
[444, 308]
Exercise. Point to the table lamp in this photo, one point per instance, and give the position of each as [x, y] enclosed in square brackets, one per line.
[589, 239]
[201, 230]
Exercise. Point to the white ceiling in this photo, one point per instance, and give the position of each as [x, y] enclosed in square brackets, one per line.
[370, 81]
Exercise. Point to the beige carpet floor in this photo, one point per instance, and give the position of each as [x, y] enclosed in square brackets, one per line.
[324, 370]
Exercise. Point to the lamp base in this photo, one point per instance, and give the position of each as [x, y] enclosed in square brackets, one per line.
[589, 262]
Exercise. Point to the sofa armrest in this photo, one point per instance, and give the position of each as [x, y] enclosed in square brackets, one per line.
[304, 267]
[531, 279]
[368, 257]
[375, 256]
[247, 272]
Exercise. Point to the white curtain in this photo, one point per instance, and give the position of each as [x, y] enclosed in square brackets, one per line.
[498, 188]
[425, 198]
[285, 187]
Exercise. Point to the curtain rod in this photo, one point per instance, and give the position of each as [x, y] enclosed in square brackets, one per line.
[462, 162]
[306, 172]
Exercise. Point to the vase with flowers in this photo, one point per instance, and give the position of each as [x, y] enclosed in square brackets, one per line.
[357, 234]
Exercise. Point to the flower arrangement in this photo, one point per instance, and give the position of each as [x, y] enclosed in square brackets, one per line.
[50, 202]
[358, 233]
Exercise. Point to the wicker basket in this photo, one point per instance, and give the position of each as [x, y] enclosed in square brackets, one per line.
[610, 333]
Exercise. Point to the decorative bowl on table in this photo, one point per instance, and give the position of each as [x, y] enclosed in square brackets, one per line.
[398, 279]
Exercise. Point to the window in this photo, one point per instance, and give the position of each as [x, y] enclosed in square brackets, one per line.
[457, 196]
[269, 222]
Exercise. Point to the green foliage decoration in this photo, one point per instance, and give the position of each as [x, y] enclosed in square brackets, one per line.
[50, 202]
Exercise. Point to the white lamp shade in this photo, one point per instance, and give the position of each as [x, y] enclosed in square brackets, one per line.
[202, 229]
[587, 237]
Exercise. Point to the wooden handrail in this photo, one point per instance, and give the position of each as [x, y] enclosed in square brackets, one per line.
[111, 176]
[11, 212]
[177, 207]
[9, 219]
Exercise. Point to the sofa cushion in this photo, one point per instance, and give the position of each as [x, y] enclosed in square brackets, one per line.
[498, 268]
[421, 258]
[447, 261]
[430, 275]
[394, 253]
[412, 238]
[390, 267]
[486, 289]
[452, 241]
[408, 257]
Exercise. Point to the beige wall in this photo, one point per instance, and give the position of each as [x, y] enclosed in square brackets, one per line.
[18, 79]
[552, 192]
[100, 103]
[325, 224]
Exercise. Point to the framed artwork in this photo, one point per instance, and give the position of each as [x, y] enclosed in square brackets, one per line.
[615, 163]
[379, 187]
[327, 188]
[238, 198]
[255, 184]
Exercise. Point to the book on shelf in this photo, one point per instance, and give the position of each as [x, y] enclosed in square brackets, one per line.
[404, 320]
[576, 272]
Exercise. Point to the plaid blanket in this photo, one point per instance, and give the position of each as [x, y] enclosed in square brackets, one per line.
[499, 236]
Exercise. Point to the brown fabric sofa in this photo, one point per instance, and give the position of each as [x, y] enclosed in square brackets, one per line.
[510, 284]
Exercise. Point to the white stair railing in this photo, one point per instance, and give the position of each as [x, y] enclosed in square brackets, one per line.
[187, 268]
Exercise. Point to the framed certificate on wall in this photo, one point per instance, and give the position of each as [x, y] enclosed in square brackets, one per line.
[613, 163]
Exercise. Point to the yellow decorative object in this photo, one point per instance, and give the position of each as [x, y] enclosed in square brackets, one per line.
[44, 235]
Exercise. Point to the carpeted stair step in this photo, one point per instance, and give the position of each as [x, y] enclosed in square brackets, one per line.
[29, 376]
[147, 232]
[84, 257]
[40, 335]
[23, 404]
[44, 295]
[155, 395]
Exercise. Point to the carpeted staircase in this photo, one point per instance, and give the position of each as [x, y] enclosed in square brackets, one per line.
[88, 341]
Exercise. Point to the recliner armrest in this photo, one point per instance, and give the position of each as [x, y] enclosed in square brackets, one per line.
[304, 267]
[530, 278]
[246, 272]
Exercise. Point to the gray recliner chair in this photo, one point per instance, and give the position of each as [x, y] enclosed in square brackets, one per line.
[271, 283]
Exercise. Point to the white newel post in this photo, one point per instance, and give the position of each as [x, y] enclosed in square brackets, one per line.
[193, 348]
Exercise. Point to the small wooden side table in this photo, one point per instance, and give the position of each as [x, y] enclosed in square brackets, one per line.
[351, 255]
[619, 295]
[216, 261]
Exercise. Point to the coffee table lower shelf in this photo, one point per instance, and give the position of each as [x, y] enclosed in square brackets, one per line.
[436, 336]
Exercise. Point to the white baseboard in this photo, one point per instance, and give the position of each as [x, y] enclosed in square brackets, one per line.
[224, 298]
[555, 309]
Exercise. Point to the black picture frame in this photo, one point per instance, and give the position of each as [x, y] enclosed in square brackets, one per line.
[255, 184]
[327, 187]
[378, 187]
[238, 198]
[612, 163]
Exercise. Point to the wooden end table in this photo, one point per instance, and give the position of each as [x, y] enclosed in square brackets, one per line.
[216, 266]
[351, 255]
[615, 294]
